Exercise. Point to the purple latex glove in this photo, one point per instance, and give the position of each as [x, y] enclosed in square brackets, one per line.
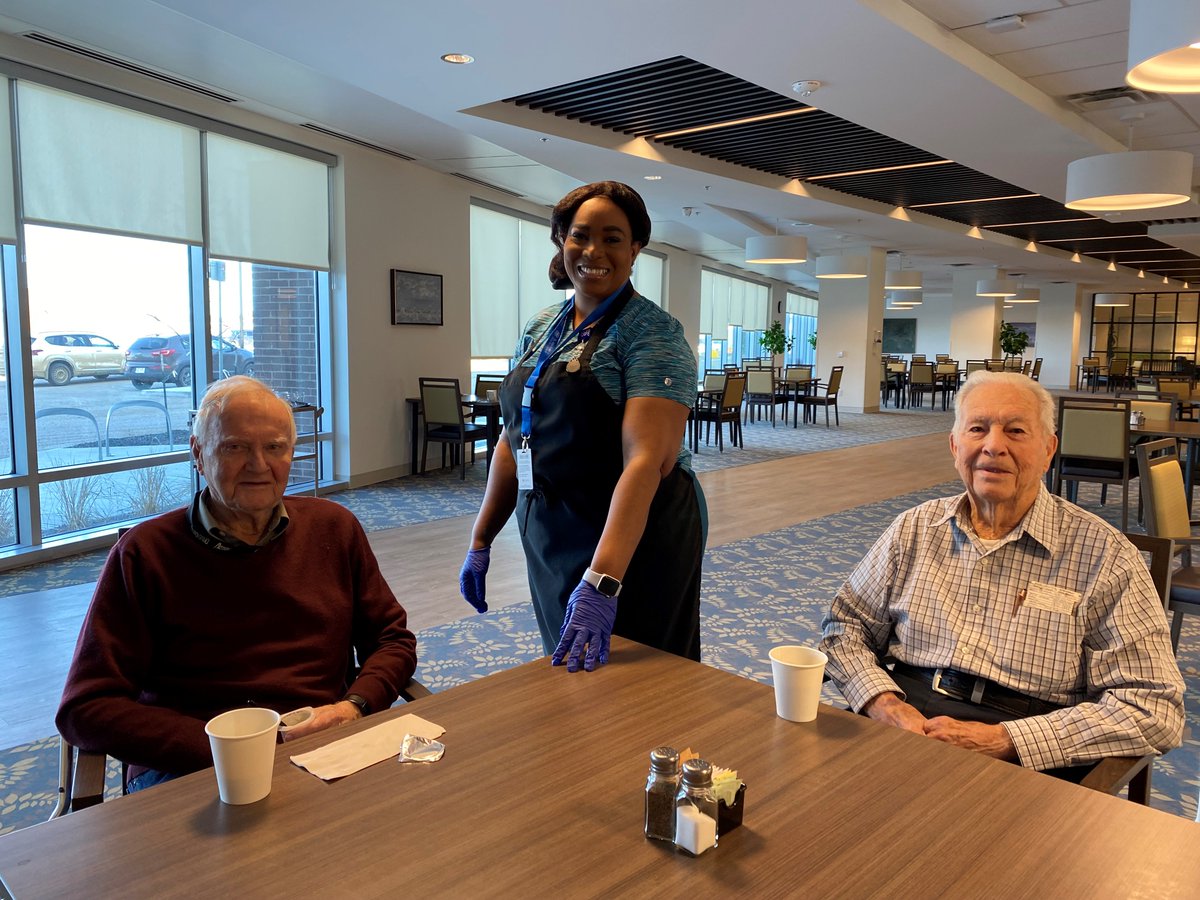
[471, 580]
[589, 620]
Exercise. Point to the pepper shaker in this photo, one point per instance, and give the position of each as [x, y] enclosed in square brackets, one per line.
[661, 787]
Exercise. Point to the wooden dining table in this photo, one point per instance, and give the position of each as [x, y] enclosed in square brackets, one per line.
[541, 792]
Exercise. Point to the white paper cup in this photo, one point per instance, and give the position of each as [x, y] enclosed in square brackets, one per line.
[797, 673]
[243, 749]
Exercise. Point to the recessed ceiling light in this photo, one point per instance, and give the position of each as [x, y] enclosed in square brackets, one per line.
[458, 59]
[652, 177]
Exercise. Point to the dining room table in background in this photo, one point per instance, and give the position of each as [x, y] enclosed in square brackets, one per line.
[541, 790]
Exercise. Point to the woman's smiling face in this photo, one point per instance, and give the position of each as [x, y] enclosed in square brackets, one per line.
[598, 249]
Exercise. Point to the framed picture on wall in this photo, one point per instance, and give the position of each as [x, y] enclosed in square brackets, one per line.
[416, 298]
[899, 335]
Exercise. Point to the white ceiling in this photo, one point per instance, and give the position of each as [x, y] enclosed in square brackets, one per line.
[925, 72]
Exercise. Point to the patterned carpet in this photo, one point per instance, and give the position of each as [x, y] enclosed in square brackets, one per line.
[758, 592]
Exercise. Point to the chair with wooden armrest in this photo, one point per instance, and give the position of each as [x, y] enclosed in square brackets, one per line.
[1115, 773]
[82, 773]
[1167, 517]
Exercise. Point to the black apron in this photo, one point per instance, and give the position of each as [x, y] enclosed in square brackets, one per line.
[577, 460]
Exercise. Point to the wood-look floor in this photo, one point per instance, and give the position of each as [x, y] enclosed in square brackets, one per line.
[421, 562]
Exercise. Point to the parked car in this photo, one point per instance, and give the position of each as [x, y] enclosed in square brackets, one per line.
[155, 359]
[59, 356]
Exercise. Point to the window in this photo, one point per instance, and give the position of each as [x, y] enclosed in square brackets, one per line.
[114, 206]
[1159, 327]
[800, 324]
[510, 258]
[733, 313]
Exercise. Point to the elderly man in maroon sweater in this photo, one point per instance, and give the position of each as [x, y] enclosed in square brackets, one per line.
[239, 599]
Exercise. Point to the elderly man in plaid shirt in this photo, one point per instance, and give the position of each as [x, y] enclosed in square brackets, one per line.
[1022, 626]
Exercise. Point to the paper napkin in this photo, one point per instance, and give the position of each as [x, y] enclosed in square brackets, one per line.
[349, 755]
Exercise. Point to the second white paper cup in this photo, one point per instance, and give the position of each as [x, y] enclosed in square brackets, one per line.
[797, 673]
[243, 749]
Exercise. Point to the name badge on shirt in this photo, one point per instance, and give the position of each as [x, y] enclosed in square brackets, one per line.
[525, 469]
[1050, 598]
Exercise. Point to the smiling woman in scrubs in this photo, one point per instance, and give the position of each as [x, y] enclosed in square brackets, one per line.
[592, 457]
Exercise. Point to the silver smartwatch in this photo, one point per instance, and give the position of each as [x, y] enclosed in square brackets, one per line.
[605, 584]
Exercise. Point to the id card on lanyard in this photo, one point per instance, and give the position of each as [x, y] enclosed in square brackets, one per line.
[553, 346]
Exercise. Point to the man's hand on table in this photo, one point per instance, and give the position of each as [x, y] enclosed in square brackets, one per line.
[992, 740]
[323, 717]
[890, 709]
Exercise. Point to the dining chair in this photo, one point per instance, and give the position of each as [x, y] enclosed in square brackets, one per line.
[760, 394]
[1012, 363]
[920, 380]
[945, 380]
[1167, 516]
[1151, 404]
[728, 410]
[994, 365]
[1025, 368]
[1116, 376]
[1182, 389]
[1093, 447]
[975, 365]
[941, 357]
[485, 383]
[917, 358]
[828, 399]
[896, 376]
[1036, 372]
[1089, 372]
[441, 400]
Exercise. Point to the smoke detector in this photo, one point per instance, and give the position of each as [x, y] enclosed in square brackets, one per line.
[806, 88]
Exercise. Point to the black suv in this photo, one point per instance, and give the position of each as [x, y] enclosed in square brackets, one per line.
[152, 359]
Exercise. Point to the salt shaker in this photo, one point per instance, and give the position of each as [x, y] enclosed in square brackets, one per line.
[661, 787]
[696, 809]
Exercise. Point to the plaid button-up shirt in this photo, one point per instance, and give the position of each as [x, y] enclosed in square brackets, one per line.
[932, 594]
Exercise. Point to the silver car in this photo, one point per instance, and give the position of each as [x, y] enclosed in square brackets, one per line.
[59, 356]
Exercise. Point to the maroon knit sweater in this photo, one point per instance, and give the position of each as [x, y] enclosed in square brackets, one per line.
[178, 632]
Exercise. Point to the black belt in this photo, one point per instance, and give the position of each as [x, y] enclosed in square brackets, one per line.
[980, 691]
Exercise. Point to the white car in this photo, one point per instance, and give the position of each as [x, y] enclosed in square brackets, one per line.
[59, 356]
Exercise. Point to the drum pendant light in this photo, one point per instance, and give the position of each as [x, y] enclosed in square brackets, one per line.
[1000, 286]
[776, 249]
[841, 267]
[1135, 179]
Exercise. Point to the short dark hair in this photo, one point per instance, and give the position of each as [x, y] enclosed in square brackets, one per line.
[627, 200]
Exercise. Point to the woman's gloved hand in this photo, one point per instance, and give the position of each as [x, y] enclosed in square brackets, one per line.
[589, 620]
[472, 577]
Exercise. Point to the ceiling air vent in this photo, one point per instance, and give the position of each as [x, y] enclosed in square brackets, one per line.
[353, 140]
[482, 183]
[1110, 98]
[127, 66]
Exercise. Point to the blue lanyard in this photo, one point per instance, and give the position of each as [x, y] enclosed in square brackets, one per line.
[554, 344]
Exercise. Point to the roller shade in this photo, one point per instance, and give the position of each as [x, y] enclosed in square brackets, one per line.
[94, 165]
[266, 205]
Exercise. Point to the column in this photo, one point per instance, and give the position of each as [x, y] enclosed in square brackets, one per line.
[1060, 318]
[850, 326]
[974, 320]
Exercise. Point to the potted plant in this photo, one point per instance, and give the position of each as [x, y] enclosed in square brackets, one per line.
[1012, 341]
[775, 341]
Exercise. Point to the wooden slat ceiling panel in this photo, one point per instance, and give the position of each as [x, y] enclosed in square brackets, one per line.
[679, 93]
[936, 184]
